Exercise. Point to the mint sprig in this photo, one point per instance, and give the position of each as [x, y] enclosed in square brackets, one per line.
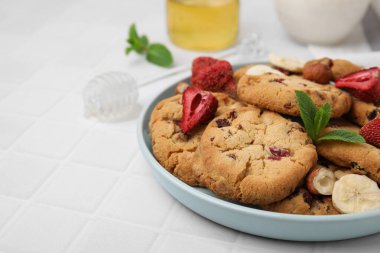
[156, 53]
[315, 120]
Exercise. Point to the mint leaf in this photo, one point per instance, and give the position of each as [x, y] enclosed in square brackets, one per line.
[133, 36]
[155, 53]
[342, 135]
[308, 111]
[322, 118]
[159, 55]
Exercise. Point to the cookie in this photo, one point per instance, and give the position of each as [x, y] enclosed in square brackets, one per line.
[341, 68]
[254, 156]
[241, 72]
[360, 157]
[362, 112]
[277, 94]
[303, 202]
[174, 150]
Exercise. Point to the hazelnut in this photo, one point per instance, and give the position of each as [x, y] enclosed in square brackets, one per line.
[181, 87]
[318, 71]
[320, 181]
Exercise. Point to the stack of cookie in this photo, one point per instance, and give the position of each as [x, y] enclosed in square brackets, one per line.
[253, 150]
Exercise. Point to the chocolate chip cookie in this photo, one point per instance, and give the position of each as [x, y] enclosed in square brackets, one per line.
[303, 202]
[174, 150]
[277, 94]
[362, 158]
[362, 112]
[254, 156]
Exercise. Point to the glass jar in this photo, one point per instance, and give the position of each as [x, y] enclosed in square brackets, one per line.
[203, 25]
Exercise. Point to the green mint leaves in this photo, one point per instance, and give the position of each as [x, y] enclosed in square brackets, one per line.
[315, 120]
[156, 53]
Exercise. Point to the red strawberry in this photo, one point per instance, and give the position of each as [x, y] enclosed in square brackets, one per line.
[214, 77]
[201, 63]
[199, 106]
[364, 84]
[371, 132]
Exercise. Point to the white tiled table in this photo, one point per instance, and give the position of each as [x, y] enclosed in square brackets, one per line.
[72, 185]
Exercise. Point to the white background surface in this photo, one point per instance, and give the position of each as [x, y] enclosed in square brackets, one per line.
[72, 185]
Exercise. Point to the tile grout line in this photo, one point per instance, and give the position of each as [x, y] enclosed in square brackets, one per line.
[98, 209]
[47, 180]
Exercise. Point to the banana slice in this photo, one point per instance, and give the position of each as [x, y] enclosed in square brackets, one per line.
[290, 64]
[355, 193]
[260, 69]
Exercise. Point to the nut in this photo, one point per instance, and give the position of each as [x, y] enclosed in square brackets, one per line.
[321, 181]
[181, 87]
[318, 71]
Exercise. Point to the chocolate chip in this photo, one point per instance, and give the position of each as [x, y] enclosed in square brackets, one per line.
[233, 156]
[233, 115]
[240, 127]
[373, 114]
[321, 96]
[222, 123]
[307, 197]
[355, 167]
[288, 105]
[278, 80]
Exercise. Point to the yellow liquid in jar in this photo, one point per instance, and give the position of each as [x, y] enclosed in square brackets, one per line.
[204, 25]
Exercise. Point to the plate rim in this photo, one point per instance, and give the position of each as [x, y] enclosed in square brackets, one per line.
[226, 204]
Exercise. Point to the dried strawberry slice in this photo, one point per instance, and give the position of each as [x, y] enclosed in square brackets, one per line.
[213, 75]
[278, 153]
[201, 63]
[364, 84]
[199, 106]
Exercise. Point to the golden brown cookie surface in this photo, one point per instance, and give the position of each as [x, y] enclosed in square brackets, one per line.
[254, 156]
[362, 112]
[176, 151]
[357, 156]
[277, 93]
[302, 202]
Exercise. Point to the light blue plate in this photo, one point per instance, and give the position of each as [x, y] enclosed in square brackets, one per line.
[248, 219]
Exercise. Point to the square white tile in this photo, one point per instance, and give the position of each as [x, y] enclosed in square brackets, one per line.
[103, 236]
[139, 200]
[8, 208]
[50, 139]
[187, 222]
[33, 102]
[69, 109]
[139, 166]
[171, 242]
[78, 187]
[59, 77]
[11, 128]
[42, 229]
[21, 174]
[106, 149]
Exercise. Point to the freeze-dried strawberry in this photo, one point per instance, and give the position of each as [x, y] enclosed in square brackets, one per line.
[364, 84]
[278, 153]
[371, 132]
[213, 76]
[201, 63]
[199, 106]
